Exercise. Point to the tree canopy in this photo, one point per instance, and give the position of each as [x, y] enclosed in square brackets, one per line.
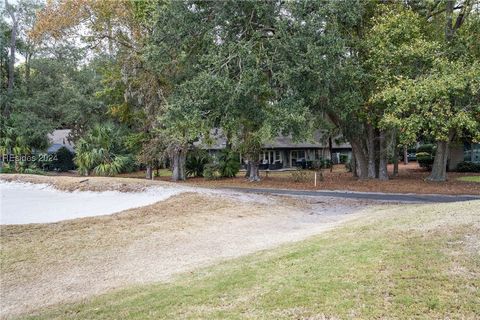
[167, 73]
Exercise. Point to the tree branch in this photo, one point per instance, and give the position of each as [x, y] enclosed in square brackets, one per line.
[432, 14]
[463, 14]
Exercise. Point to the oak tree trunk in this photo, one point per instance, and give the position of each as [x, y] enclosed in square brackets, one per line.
[353, 165]
[178, 164]
[395, 153]
[247, 172]
[383, 155]
[360, 159]
[439, 168]
[372, 169]
[148, 174]
[395, 160]
[253, 174]
[330, 150]
[27, 73]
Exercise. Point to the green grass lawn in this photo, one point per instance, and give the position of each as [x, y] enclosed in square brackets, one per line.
[470, 179]
[417, 261]
[141, 174]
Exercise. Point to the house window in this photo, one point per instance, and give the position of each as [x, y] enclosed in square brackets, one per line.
[271, 157]
[297, 155]
[472, 153]
[265, 157]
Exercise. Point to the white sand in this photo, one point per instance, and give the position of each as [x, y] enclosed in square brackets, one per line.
[22, 203]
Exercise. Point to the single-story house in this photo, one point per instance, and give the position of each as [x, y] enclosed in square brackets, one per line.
[471, 152]
[463, 151]
[283, 152]
[59, 139]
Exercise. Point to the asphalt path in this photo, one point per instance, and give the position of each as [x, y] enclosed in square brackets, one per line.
[390, 197]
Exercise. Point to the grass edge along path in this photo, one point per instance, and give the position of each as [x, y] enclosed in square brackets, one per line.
[394, 262]
[470, 179]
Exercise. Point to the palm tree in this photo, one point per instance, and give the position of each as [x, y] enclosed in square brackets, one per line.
[13, 144]
[100, 152]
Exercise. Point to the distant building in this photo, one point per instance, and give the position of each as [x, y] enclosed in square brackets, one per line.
[59, 139]
[471, 152]
[283, 152]
[463, 151]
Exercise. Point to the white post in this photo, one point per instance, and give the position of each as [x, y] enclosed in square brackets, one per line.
[315, 179]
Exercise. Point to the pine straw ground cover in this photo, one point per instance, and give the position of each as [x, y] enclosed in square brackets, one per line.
[410, 180]
[398, 262]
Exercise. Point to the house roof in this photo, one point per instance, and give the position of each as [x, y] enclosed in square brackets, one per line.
[59, 139]
[219, 142]
[287, 142]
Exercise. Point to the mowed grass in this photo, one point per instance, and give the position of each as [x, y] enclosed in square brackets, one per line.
[415, 261]
[470, 179]
[141, 174]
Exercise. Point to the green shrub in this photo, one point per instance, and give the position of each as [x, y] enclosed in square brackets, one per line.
[316, 165]
[33, 171]
[196, 161]
[29, 168]
[116, 165]
[226, 166]
[425, 160]
[300, 175]
[326, 163]
[428, 148]
[426, 155]
[211, 171]
[343, 158]
[468, 167]
[63, 161]
[229, 163]
[6, 168]
[349, 166]
[21, 166]
[102, 152]
[321, 164]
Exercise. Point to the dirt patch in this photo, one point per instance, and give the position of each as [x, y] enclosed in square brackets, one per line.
[45, 264]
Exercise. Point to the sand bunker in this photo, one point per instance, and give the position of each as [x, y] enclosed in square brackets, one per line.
[22, 203]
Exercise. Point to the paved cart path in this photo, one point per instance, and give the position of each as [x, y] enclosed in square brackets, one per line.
[395, 197]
